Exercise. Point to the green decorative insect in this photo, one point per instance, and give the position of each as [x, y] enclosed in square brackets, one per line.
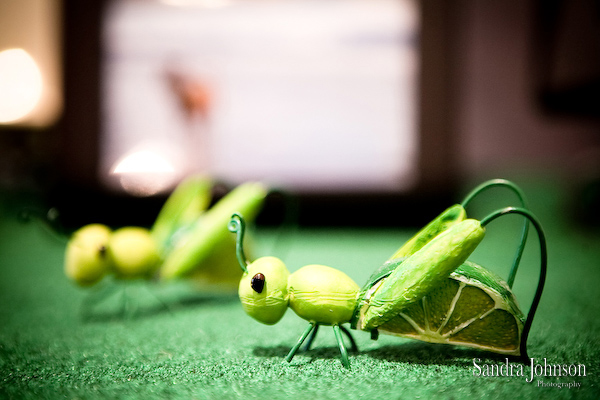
[188, 239]
[427, 290]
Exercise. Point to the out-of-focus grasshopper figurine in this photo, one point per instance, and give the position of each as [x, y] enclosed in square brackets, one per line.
[187, 239]
[427, 290]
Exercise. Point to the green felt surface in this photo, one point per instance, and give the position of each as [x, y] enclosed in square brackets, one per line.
[204, 347]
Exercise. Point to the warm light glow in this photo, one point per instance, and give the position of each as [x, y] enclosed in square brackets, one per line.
[145, 173]
[143, 161]
[20, 85]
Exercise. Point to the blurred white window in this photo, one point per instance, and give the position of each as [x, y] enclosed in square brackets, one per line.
[308, 95]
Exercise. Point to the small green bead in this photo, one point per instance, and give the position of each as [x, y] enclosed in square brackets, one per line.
[133, 252]
[266, 302]
[322, 294]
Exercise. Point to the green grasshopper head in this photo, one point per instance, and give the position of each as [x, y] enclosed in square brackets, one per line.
[263, 287]
[263, 290]
[86, 258]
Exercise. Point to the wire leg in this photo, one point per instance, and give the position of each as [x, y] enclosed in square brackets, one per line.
[294, 349]
[338, 337]
[312, 337]
[125, 306]
[349, 335]
[166, 306]
[131, 305]
[96, 296]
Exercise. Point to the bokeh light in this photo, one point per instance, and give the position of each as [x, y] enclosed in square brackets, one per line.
[145, 173]
[20, 85]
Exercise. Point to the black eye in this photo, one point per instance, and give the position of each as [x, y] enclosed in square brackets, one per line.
[258, 282]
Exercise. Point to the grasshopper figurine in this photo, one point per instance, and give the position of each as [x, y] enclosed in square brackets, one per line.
[427, 290]
[188, 239]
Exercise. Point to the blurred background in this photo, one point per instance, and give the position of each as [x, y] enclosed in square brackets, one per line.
[358, 108]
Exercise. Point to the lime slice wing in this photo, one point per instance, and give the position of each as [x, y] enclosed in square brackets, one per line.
[473, 307]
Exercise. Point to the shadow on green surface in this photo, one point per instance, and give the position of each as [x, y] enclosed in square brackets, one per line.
[413, 352]
[117, 304]
[327, 352]
[433, 353]
[282, 351]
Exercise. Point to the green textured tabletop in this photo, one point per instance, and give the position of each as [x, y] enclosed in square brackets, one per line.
[203, 346]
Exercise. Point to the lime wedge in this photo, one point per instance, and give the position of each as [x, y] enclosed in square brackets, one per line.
[472, 307]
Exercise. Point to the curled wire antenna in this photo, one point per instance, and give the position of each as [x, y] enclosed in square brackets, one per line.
[237, 225]
[517, 190]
